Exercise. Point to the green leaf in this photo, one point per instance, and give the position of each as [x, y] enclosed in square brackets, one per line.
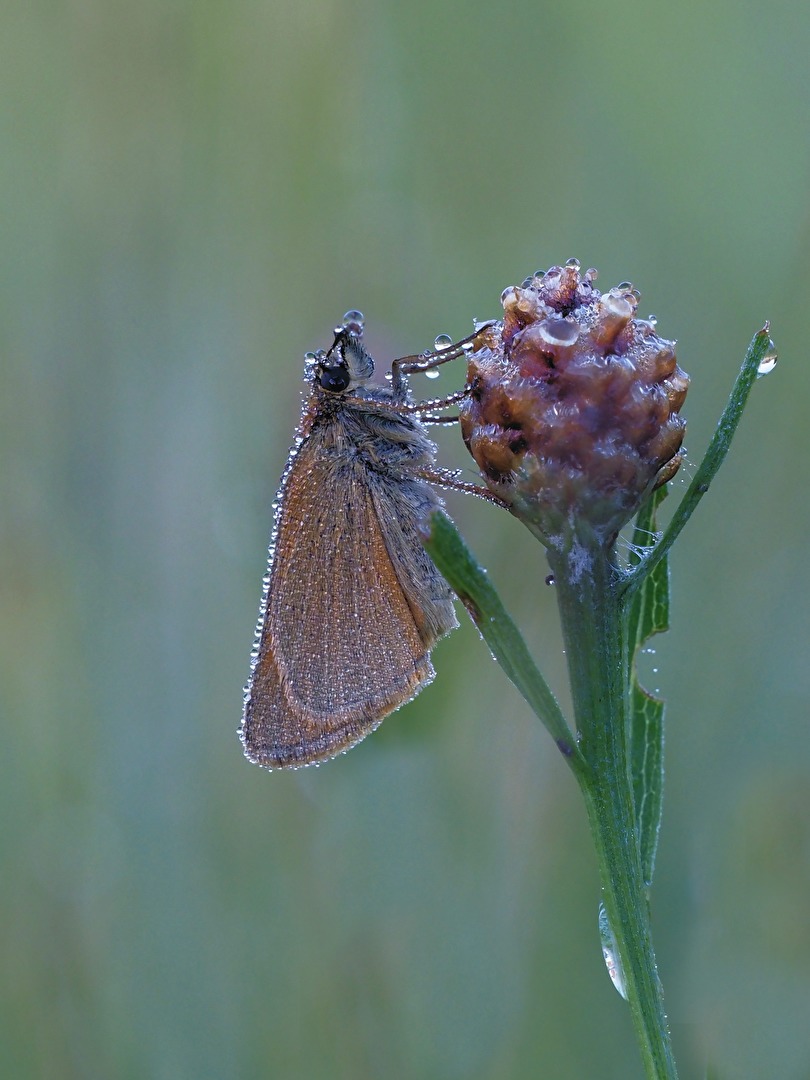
[648, 615]
[473, 587]
[646, 589]
[759, 360]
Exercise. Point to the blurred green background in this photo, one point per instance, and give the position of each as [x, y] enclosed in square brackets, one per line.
[192, 194]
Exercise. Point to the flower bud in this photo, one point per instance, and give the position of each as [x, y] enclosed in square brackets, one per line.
[573, 410]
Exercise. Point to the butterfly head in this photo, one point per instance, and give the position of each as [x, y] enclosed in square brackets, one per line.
[346, 364]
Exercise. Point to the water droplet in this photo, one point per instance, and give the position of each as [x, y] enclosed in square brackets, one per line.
[509, 295]
[550, 579]
[616, 311]
[442, 342]
[559, 331]
[611, 953]
[432, 373]
[527, 281]
[652, 320]
[574, 264]
[388, 376]
[540, 274]
[353, 320]
[625, 286]
[767, 363]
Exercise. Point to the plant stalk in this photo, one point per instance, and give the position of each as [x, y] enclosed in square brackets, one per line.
[593, 621]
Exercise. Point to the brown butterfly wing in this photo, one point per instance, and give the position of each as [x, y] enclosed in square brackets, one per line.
[339, 647]
[401, 503]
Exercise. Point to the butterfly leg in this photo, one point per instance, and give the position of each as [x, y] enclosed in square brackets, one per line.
[446, 478]
[439, 419]
[433, 358]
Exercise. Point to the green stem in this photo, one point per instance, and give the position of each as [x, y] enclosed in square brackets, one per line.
[593, 628]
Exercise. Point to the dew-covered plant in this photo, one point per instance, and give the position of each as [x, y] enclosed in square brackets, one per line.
[573, 417]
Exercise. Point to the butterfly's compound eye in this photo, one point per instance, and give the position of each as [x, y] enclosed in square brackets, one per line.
[334, 378]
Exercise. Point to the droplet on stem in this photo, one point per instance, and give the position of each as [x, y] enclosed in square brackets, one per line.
[611, 953]
[768, 362]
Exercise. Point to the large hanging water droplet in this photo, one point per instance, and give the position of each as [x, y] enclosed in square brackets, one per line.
[442, 342]
[768, 362]
[432, 373]
[611, 953]
[558, 331]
